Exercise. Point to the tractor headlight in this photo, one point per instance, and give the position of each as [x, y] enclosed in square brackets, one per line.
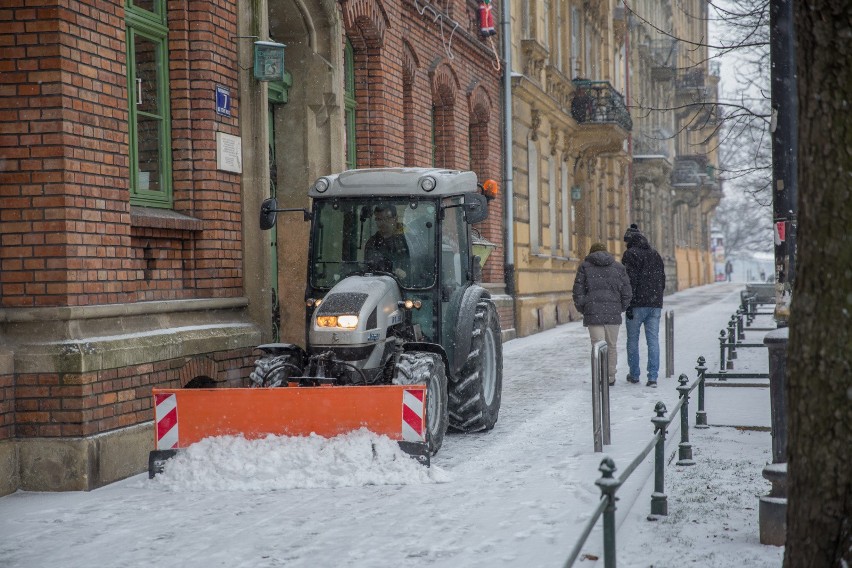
[409, 304]
[321, 185]
[346, 322]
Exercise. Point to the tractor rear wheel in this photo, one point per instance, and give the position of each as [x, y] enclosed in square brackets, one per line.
[475, 397]
[418, 367]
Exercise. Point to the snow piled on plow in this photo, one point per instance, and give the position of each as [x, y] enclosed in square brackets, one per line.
[233, 463]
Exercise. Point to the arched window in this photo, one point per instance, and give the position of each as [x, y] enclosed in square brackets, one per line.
[349, 105]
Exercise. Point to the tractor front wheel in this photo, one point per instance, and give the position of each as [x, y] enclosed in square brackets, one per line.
[417, 367]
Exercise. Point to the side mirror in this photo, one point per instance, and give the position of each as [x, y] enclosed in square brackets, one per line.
[475, 207]
[268, 213]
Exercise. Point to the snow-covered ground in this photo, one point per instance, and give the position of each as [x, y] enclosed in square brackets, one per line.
[516, 496]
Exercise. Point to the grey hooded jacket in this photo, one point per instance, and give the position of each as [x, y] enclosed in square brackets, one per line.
[601, 289]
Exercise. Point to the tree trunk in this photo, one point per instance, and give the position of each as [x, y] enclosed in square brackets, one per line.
[819, 513]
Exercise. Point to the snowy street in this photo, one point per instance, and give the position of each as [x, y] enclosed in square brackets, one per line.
[516, 496]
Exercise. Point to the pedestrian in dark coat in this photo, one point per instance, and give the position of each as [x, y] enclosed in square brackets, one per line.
[601, 292]
[648, 279]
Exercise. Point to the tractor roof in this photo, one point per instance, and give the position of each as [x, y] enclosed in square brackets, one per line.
[394, 182]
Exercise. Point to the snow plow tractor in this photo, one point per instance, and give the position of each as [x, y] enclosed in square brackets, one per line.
[400, 337]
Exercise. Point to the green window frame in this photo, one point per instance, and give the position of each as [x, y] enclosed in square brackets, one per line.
[349, 105]
[149, 116]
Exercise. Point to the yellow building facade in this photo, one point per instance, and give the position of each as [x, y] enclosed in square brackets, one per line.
[570, 154]
[672, 95]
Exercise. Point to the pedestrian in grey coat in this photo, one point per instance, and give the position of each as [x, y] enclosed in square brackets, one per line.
[601, 292]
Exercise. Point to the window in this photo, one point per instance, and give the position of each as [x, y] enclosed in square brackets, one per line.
[566, 211]
[576, 30]
[148, 102]
[552, 205]
[349, 105]
[535, 224]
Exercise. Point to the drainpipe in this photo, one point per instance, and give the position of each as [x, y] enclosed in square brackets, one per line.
[629, 134]
[507, 150]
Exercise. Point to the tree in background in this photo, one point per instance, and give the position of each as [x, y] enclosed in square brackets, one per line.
[819, 358]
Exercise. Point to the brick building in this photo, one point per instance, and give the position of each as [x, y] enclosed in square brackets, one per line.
[135, 149]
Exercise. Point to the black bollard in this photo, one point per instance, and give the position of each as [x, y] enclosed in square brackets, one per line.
[684, 449]
[659, 501]
[701, 415]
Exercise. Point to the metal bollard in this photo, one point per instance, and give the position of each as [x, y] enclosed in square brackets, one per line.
[659, 501]
[600, 396]
[701, 415]
[669, 343]
[684, 449]
[723, 349]
[608, 486]
[740, 331]
[732, 340]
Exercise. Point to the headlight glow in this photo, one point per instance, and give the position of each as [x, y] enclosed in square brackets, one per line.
[327, 321]
[347, 322]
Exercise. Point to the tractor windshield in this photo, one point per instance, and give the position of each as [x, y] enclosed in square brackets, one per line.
[393, 236]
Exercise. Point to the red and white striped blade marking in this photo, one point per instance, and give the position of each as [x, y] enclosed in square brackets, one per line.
[167, 421]
[413, 408]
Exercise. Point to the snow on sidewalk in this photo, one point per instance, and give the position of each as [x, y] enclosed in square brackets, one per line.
[517, 496]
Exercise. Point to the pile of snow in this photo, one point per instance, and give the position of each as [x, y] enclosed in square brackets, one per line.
[232, 463]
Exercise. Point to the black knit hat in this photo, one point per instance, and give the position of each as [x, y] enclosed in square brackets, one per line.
[632, 232]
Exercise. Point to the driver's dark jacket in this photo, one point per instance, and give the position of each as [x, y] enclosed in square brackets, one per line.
[387, 254]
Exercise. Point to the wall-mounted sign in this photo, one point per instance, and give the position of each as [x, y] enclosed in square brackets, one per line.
[223, 101]
[268, 61]
[576, 193]
[229, 153]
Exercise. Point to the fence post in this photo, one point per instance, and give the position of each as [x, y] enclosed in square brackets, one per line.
[723, 349]
[608, 486]
[732, 339]
[684, 449]
[600, 395]
[740, 331]
[700, 415]
[669, 343]
[659, 504]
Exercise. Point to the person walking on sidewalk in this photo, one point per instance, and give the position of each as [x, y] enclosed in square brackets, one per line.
[601, 292]
[648, 280]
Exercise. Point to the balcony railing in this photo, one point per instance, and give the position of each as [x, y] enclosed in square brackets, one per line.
[693, 170]
[691, 79]
[652, 142]
[597, 102]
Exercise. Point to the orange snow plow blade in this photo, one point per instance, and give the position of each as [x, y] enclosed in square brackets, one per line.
[185, 416]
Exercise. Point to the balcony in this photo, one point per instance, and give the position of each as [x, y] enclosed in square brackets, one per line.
[596, 102]
[693, 171]
[691, 80]
[662, 54]
[653, 142]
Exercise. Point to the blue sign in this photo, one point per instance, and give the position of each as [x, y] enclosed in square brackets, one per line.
[223, 101]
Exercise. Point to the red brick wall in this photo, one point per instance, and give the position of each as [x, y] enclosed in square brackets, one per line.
[7, 407]
[394, 121]
[84, 404]
[66, 233]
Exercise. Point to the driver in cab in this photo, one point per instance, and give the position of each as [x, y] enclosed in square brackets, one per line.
[387, 249]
